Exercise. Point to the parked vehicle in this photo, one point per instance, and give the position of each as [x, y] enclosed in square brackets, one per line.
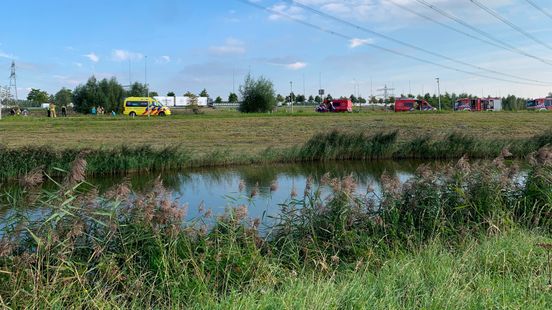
[411, 104]
[540, 104]
[336, 105]
[478, 104]
[136, 106]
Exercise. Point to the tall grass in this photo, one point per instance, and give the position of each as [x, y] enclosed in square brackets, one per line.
[333, 145]
[406, 246]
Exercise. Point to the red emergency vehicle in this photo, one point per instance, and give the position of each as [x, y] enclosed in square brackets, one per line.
[336, 105]
[411, 104]
[540, 104]
[478, 104]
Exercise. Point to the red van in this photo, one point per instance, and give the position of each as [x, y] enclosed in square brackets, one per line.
[410, 104]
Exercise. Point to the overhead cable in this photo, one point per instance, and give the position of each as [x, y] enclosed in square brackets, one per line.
[388, 50]
[496, 15]
[412, 46]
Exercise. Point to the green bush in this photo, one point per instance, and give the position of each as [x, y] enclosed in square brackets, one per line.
[258, 95]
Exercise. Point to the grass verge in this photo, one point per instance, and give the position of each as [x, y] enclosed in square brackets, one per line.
[334, 145]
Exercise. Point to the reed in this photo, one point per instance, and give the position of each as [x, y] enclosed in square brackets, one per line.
[468, 230]
[334, 145]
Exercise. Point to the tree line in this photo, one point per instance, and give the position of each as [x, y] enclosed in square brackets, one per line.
[107, 93]
[110, 94]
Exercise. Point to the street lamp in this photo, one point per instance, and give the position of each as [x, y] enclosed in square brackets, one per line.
[439, 92]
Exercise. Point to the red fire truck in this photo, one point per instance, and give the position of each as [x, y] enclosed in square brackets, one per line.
[478, 104]
[336, 105]
[411, 104]
[540, 104]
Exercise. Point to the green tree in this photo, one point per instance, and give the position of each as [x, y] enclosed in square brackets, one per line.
[318, 99]
[204, 93]
[106, 93]
[189, 94]
[63, 97]
[258, 95]
[233, 98]
[300, 98]
[329, 97]
[361, 100]
[38, 96]
[137, 90]
[218, 100]
[171, 94]
[280, 98]
[153, 94]
[353, 98]
[311, 99]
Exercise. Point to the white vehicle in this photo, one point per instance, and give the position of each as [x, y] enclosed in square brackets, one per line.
[181, 101]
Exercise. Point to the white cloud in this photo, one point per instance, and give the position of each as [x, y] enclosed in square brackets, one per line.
[230, 46]
[6, 55]
[163, 60]
[296, 65]
[92, 57]
[354, 43]
[280, 10]
[78, 64]
[123, 55]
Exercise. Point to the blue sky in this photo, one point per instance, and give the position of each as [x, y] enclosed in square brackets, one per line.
[191, 44]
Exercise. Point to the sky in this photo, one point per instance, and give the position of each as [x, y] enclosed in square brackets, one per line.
[188, 45]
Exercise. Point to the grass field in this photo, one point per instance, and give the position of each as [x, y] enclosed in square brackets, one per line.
[249, 134]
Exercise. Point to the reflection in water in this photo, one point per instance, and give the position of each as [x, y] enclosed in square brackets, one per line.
[219, 188]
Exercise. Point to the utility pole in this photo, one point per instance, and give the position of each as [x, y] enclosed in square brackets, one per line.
[439, 91]
[291, 95]
[146, 84]
[13, 81]
[386, 92]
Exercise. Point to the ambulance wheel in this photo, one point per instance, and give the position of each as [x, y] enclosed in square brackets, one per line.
[161, 113]
[132, 114]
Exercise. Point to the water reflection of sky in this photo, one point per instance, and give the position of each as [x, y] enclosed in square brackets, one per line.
[217, 189]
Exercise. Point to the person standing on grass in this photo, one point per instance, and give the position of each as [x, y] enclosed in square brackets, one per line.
[52, 109]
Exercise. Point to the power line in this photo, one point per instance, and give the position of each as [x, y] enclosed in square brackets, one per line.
[507, 22]
[348, 38]
[483, 33]
[445, 25]
[386, 37]
[543, 11]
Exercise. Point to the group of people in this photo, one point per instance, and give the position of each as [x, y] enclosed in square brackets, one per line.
[99, 110]
[17, 111]
[52, 110]
[325, 107]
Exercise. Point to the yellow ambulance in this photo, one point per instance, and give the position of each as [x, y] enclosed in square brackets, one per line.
[144, 106]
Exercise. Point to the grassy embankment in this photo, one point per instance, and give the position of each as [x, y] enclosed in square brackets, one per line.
[118, 145]
[462, 236]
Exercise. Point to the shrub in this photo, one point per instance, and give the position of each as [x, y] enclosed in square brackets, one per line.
[258, 95]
